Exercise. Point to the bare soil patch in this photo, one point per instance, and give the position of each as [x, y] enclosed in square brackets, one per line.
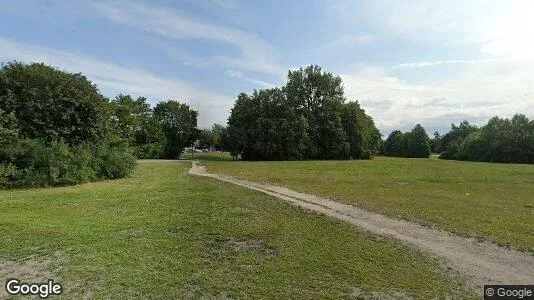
[32, 269]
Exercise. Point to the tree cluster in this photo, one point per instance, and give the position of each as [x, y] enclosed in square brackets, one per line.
[160, 132]
[414, 144]
[308, 118]
[56, 128]
[213, 139]
[500, 140]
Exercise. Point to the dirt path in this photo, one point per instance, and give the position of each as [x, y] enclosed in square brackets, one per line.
[479, 263]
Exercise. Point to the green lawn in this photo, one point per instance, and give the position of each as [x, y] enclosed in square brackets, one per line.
[165, 234]
[488, 201]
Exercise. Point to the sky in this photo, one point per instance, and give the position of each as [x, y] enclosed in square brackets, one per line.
[406, 62]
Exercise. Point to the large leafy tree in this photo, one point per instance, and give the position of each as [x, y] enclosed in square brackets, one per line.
[218, 132]
[129, 114]
[56, 128]
[414, 144]
[434, 141]
[150, 138]
[49, 104]
[266, 127]
[179, 125]
[306, 119]
[418, 143]
[456, 135]
[394, 144]
[134, 121]
[318, 96]
[363, 137]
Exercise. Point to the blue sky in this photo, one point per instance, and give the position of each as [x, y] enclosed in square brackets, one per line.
[407, 62]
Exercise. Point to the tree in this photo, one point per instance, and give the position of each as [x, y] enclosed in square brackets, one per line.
[434, 142]
[134, 121]
[418, 143]
[49, 104]
[306, 119]
[56, 128]
[318, 96]
[179, 125]
[218, 131]
[415, 143]
[457, 134]
[500, 140]
[393, 146]
[8, 128]
[363, 137]
[205, 139]
[267, 127]
[129, 114]
[150, 138]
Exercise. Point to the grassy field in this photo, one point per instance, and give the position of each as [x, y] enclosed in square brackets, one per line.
[488, 201]
[165, 234]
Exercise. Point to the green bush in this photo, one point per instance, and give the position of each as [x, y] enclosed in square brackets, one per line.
[56, 129]
[28, 162]
[113, 162]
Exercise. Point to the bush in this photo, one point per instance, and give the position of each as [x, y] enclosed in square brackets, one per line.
[113, 162]
[56, 129]
[28, 162]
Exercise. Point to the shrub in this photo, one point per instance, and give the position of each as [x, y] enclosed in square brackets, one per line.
[55, 129]
[28, 162]
[113, 162]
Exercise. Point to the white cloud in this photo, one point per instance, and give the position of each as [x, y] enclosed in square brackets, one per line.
[257, 54]
[484, 91]
[238, 74]
[501, 28]
[422, 64]
[212, 107]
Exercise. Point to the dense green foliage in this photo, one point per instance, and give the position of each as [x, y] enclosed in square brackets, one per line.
[434, 142]
[268, 127]
[308, 118]
[213, 138]
[135, 123]
[179, 126]
[449, 143]
[409, 144]
[161, 132]
[55, 129]
[49, 104]
[500, 140]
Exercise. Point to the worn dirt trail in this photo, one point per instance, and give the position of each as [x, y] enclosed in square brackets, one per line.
[479, 263]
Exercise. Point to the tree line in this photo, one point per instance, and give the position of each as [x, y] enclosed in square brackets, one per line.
[307, 118]
[500, 140]
[56, 128]
[415, 143]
